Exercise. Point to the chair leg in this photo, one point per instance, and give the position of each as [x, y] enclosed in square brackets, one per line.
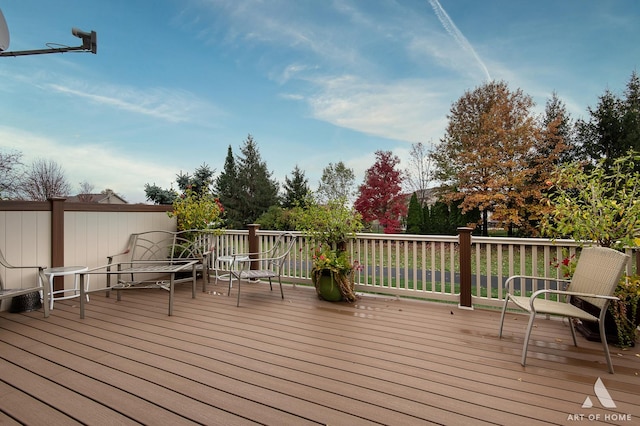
[573, 331]
[504, 310]
[525, 345]
[281, 291]
[238, 302]
[605, 345]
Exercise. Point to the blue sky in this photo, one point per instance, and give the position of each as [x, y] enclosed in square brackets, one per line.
[175, 82]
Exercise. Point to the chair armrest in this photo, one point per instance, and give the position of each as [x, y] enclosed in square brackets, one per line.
[531, 277]
[572, 293]
[111, 257]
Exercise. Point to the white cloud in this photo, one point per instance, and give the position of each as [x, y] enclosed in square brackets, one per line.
[175, 106]
[94, 164]
[401, 110]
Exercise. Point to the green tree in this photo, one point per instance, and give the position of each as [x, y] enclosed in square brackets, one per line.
[439, 219]
[159, 195]
[558, 133]
[614, 125]
[200, 184]
[296, 189]
[337, 181]
[596, 204]
[229, 190]
[415, 219]
[601, 136]
[258, 191]
[631, 116]
[277, 219]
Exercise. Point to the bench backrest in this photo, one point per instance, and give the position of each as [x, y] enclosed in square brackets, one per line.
[168, 245]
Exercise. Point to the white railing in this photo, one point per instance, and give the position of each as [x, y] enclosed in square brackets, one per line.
[428, 266]
[419, 266]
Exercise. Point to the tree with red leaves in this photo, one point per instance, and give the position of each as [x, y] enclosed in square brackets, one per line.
[380, 195]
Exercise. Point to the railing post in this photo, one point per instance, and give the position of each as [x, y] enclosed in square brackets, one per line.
[254, 242]
[57, 238]
[464, 244]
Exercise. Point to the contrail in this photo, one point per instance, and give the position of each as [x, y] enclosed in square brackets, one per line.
[454, 32]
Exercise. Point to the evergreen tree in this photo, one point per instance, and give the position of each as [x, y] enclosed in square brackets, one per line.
[631, 116]
[159, 195]
[415, 222]
[558, 139]
[601, 136]
[614, 125]
[201, 183]
[296, 189]
[258, 191]
[229, 191]
[439, 218]
[426, 220]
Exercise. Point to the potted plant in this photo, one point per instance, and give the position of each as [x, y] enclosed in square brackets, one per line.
[625, 311]
[329, 226]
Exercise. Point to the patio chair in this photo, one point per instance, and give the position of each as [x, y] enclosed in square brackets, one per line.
[41, 284]
[596, 276]
[270, 264]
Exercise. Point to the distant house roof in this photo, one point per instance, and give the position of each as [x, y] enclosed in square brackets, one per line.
[103, 198]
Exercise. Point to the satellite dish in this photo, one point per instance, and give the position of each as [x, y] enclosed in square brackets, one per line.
[4, 33]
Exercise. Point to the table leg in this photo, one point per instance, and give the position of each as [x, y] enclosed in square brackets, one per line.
[171, 280]
[82, 296]
[193, 285]
[51, 276]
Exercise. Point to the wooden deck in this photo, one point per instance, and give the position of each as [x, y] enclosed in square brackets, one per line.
[298, 361]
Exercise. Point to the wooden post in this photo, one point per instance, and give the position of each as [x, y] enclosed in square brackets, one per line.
[254, 242]
[464, 241]
[57, 238]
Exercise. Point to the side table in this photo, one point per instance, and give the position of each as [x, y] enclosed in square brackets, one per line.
[62, 271]
[231, 260]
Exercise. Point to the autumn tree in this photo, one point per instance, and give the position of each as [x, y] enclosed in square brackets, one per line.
[44, 179]
[484, 158]
[337, 181]
[380, 196]
[555, 146]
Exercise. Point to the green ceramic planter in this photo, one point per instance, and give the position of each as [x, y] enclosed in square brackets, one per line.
[328, 288]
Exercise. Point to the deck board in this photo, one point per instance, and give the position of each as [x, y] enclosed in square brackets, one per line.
[381, 360]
